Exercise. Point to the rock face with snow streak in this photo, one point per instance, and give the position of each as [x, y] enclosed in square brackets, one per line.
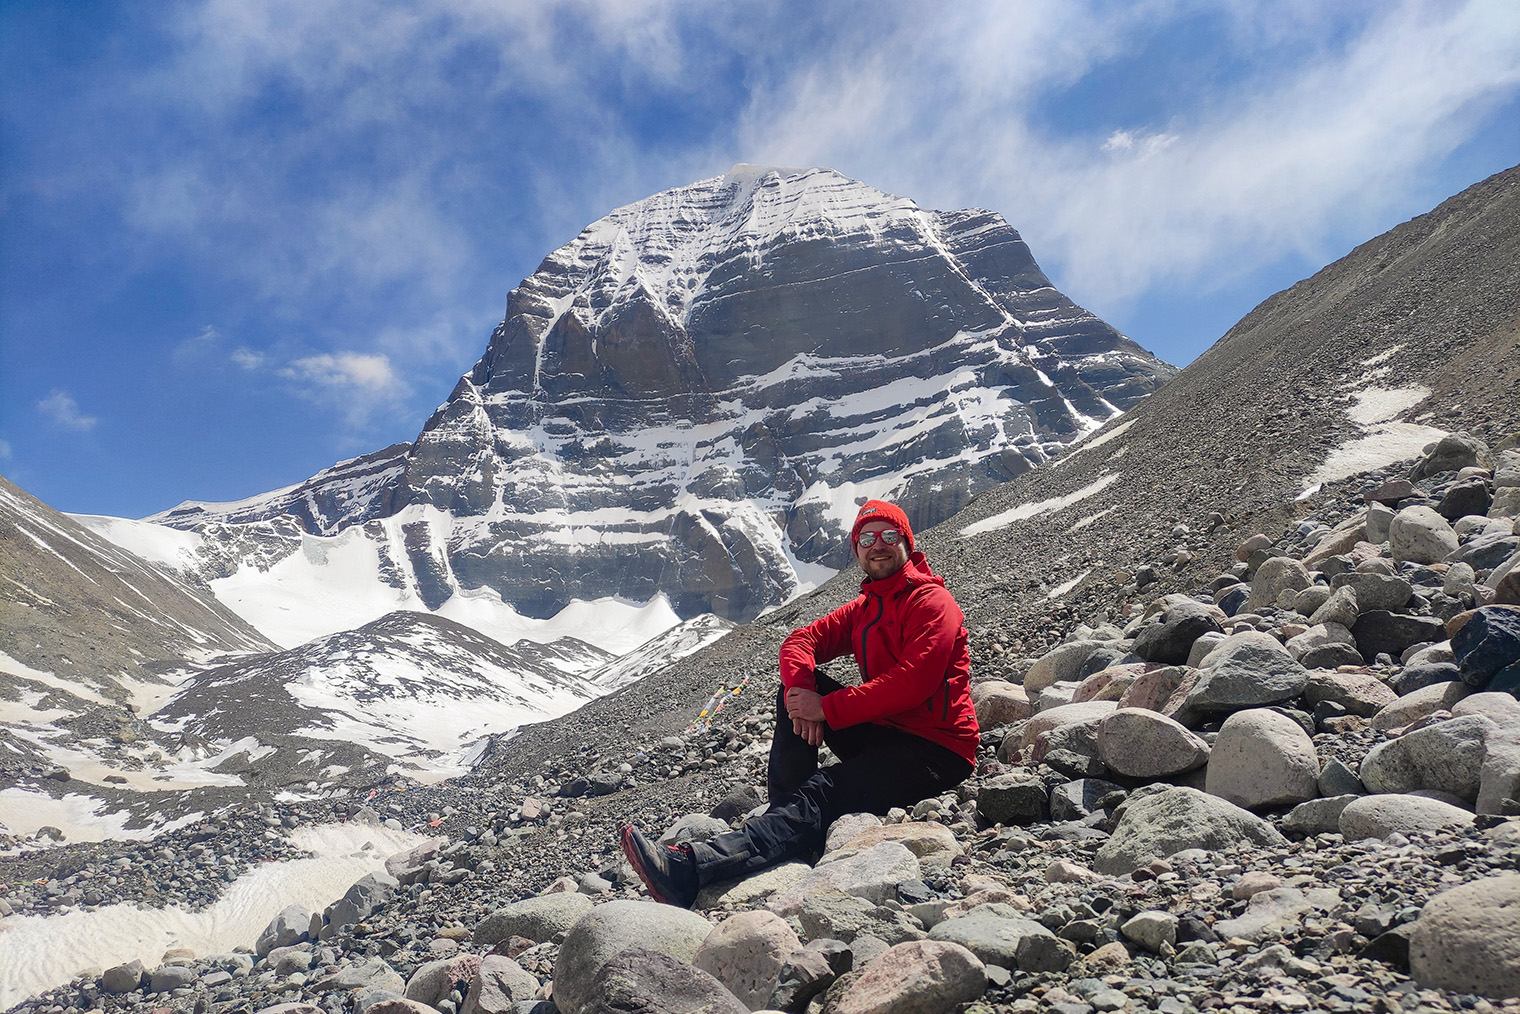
[690, 396]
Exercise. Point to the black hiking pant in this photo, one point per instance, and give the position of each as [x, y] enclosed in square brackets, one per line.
[880, 767]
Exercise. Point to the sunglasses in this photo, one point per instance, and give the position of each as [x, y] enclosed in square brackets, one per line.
[890, 536]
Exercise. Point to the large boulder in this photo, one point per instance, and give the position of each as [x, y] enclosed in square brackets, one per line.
[1146, 744]
[1378, 631]
[644, 979]
[1321, 635]
[833, 915]
[1420, 535]
[436, 979]
[1487, 643]
[919, 977]
[1247, 670]
[609, 929]
[1262, 758]
[933, 843]
[1446, 757]
[1086, 715]
[1008, 941]
[1382, 815]
[1169, 636]
[1374, 591]
[999, 702]
[1062, 664]
[122, 978]
[290, 926]
[359, 901]
[1360, 693]
[499, 986]
[1151, 690]
[872, 873]
[1162, 823]
[1499, 781]
[1467, 940]
[1272, 578]
[1452, 453]
[1418, 704]
[745, 952]
[540, 919]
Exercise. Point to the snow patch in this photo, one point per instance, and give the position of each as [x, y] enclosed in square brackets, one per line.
[1386, 444]
[78, 816]
[1066, 586]
[1383, 443]
[1379, 404]
[1028, 510]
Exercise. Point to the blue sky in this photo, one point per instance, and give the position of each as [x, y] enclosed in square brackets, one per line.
[242, 240]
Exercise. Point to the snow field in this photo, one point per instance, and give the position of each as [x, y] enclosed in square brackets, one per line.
[40, 952]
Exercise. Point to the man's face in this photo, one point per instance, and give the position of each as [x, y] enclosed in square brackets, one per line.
[880, 560]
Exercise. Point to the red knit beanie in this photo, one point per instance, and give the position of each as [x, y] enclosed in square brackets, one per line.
[880, 510]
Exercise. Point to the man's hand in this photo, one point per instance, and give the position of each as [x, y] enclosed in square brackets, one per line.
[805, 707]
[806, 704]
[812, 732]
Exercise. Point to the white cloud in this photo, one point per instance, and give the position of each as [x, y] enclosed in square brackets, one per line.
[5, 450]
[1261, 165]
[61, 407]
[357, 384]
[247, 358]
[346, 371]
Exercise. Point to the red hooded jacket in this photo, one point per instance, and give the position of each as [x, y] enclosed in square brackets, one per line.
[909, 638]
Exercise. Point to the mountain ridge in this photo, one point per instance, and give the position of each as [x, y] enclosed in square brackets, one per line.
[679, 400]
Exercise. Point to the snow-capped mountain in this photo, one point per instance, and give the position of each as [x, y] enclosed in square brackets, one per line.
[658, 652]
[294, 586]
[410, 688]
[688, 399]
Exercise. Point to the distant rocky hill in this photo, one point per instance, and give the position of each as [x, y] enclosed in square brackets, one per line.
[685, 399]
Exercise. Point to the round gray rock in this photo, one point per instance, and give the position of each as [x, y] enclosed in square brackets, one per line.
[1146, 744]
[1468, 939]
[999, 940]
[1061, 664]
[539, 919]
[1247, 670]
[745, 952]
[1383, 815]
[1420, 535]
[614, 927]
[1446, 756]
[641, 979]
[1165, 822]
[919, 977]
[1262, 758]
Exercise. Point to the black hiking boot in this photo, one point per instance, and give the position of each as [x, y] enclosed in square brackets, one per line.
[668, 871]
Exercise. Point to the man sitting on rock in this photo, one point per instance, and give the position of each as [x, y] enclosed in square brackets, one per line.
[908, 731]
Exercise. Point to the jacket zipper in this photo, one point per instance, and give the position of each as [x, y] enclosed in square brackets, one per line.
[881, 606]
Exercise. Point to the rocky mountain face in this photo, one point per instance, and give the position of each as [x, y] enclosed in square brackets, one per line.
[688, 397]
[77, 604]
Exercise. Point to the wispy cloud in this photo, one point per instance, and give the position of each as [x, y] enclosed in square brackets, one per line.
[247, 358]
[5, 450]
[356, 384]
[205, 342]
[1268, 161]
[64, 411]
